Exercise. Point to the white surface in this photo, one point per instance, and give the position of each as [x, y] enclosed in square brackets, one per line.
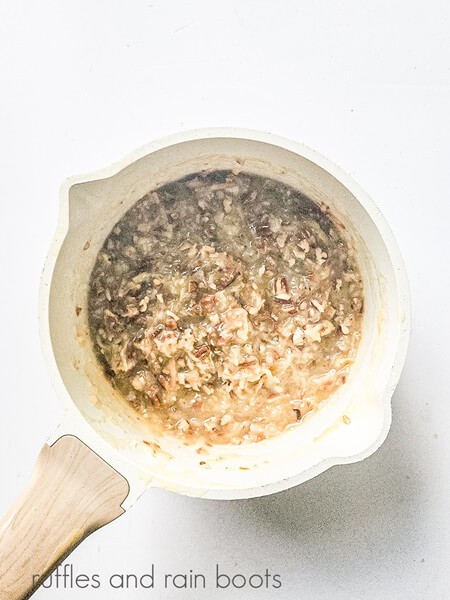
[367, 85]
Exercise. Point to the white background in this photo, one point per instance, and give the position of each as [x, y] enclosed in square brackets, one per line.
[367, 84]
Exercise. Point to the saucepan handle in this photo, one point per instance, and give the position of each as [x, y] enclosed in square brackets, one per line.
[72, 493]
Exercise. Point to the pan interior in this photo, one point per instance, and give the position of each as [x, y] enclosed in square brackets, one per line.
[96, 205]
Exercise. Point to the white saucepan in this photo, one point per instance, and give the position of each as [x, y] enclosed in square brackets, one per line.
[101, 458]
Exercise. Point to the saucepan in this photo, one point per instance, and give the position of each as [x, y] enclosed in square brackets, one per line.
[103, 457]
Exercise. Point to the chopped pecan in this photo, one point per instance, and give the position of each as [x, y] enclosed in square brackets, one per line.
[280, 290]
[171, 323]
[202, 352]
